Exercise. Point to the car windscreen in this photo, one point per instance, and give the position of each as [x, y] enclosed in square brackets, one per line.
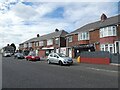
[62, 55]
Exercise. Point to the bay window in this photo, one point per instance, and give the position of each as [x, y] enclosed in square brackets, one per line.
[107, 47]
[108, 31]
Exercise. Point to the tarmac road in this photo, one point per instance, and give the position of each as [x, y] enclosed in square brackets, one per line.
[27, 74]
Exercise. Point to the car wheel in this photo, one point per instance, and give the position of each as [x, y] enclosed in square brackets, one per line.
[48, 61]
[60, 63]
[26, 59]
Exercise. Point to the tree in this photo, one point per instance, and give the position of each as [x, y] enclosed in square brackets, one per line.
[13, 45]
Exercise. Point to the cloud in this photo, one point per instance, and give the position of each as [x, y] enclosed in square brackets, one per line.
[24, 21]
[70, 0]
[24, 11]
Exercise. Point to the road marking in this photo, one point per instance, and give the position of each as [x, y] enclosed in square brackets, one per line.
[102, 70]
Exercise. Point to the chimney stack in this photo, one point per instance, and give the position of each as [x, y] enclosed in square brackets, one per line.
[56, 30]
[38, 35]
[103, 17]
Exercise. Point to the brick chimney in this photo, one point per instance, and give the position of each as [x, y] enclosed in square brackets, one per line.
[103, 17]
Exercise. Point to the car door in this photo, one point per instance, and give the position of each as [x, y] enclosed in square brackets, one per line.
[56, 59]
[51, 57]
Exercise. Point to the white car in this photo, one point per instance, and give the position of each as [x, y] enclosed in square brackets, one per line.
[7, 54]
[59, 58]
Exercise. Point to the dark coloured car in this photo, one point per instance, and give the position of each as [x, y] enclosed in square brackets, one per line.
[19, 55]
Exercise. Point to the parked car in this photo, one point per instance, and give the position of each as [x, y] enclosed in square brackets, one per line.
[7, 54]
[32, 57]
[19, 55]
[59, 58]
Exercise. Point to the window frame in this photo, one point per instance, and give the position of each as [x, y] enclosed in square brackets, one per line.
[41, 43]
[49, 42]
[70, 38]
[83, 36]
[108, 31]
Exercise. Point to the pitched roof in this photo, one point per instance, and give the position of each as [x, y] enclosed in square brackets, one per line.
[30, 40]
[60, 33]
[98, 24]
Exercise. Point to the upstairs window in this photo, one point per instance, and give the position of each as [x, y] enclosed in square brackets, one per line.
[83, 36]
[50, 42]
[41, 43]
[108, 31]
[37, 44]
[57, 41]
[70, 39]
[25, 45]
[30, 45]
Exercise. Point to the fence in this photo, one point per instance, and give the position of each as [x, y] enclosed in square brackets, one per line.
[114, 58]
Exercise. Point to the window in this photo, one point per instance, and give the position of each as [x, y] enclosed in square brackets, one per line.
[50, 42]
[41, 43]
[83, 36]
[102, 47]
[57, 41]
[107, 47]
[25, 45]
[30, 44]
[108, 31]
[37, 43]
[70, 39]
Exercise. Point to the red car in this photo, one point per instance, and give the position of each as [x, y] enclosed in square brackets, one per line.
[32, 57]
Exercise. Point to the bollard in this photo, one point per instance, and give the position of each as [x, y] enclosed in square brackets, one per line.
[78, 59]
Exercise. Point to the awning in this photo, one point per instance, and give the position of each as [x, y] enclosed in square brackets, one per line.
[45, 48]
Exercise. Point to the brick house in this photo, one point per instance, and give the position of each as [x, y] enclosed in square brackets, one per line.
[45, 44]
[103, 35]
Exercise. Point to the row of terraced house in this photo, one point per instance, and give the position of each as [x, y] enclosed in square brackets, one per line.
[102, 35]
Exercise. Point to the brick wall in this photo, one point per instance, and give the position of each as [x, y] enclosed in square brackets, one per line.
[95, 37]
[110, 39]
[74, 40]
[62, 42]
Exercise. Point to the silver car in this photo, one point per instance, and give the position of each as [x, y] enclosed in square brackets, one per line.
[7, 54]
[59, 58]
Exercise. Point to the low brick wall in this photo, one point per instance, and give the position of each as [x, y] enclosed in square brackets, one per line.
[99, 57]
[95, 60]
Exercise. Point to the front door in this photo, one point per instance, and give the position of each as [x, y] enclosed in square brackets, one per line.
[117, 47]
[70, 52]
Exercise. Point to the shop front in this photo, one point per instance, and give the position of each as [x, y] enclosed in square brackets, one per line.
[82, 48]
[48, 50]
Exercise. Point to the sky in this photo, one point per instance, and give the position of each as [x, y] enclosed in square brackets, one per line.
[21, 20]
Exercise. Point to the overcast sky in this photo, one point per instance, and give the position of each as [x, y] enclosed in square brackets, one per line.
[20, 20]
